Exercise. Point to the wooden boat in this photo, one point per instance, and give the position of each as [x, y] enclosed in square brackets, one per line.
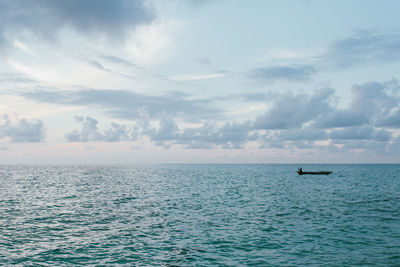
[315, 173]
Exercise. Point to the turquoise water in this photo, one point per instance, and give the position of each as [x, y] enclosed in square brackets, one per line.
[203, 215]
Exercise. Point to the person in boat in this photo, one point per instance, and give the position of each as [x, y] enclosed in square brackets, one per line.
[300, 170]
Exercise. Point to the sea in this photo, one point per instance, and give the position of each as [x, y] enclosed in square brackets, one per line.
[199, 215]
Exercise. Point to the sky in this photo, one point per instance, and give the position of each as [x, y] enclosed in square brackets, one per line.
[199, 81]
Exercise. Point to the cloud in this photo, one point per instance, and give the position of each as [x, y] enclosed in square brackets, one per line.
[229, 135]
[360, 146]
[364, 132]
[292, 111]
[22, 130]
[391, 121]
[45, 18]
[129, 105]
[307, 133]
[165, 132]
[300, 120]
[290, 120]
[371, 103]
[395, 146]
[338, 139]
[91, 133]
[289, 138]
[363, 47]
[295, 73]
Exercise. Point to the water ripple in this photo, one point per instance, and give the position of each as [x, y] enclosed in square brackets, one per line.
[203, 215]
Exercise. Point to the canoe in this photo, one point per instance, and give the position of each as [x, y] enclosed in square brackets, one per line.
[315, 173]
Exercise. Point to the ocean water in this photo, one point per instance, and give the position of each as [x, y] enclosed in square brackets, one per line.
[200, 215]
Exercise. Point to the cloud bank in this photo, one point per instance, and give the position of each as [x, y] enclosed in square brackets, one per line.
[91, 133]
[22, 130]
[293, 121]
[292, 111]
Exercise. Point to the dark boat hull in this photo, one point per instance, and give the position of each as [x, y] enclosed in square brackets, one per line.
[314, 173]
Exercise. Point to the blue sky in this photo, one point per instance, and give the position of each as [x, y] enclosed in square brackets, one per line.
[126, 81]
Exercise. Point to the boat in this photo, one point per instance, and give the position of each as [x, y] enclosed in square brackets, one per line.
[315, 173]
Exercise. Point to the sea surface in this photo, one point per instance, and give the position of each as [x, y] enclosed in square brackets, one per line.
[200, 215]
